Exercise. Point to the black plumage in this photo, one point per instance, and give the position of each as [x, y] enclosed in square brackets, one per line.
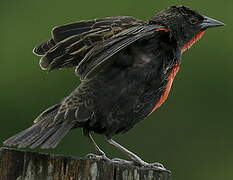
[127, 67]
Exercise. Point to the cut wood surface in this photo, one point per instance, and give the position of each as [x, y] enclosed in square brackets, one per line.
[26, 165]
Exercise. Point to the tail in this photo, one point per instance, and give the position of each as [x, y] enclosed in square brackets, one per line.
[46, 132]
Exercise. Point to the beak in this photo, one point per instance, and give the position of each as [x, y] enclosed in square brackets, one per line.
[209, 22]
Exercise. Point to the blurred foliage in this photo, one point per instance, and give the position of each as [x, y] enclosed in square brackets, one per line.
[191, 133]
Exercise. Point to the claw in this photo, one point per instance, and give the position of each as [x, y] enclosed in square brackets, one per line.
[136, 160]
[90, 156]
[159, 167]
[156, 166]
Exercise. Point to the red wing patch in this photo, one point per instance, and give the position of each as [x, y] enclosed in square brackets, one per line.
[165, 94]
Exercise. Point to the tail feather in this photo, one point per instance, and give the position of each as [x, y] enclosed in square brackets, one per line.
[53, 140]
[22, 136]
[41, 139]
[47, 131]
[36, 136]
[48, 113]
[27, 141]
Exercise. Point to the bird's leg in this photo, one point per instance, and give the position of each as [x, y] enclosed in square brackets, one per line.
[101, 154]
[97, 148]
[134, 157]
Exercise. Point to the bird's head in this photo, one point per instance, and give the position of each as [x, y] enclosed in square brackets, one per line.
[186, 25]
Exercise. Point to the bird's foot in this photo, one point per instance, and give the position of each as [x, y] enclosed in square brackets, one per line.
[122, 161]
[156, 165]
[98, 157]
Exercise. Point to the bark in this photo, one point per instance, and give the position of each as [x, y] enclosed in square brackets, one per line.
[26, 165]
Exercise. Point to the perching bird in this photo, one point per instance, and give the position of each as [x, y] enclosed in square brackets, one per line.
[127, 67]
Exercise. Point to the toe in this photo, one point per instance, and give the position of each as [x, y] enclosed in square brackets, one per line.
[157, 164]
[122, 161]
[90, 156]
[99, 157]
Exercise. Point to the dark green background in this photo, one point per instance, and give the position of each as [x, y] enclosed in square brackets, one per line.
[191, 133]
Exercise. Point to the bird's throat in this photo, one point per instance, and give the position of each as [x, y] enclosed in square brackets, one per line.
[193, 41]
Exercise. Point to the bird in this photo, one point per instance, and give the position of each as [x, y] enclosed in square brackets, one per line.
[126, 67]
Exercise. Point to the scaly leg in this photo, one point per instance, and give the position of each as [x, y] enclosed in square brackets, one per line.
[101, 154]
[134, 157]
[97, 148]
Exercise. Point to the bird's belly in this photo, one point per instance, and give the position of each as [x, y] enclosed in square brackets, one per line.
[167, 89]
[123, 105]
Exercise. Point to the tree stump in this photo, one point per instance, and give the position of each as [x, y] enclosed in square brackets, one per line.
[26, 165]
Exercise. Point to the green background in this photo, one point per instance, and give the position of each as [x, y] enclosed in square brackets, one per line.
[191, 134]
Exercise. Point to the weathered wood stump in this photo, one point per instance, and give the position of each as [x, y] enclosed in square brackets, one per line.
[25, 165]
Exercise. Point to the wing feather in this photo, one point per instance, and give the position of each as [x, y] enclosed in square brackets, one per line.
[99, 56]
[71, 42]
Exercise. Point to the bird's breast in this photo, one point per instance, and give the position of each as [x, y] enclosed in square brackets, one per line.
[168, 86]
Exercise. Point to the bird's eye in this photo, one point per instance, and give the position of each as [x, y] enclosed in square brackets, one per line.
[193, 20]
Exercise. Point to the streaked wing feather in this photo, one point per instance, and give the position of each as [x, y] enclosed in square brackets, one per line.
[100, 55]
[44, 47]
[71, 42]
[62, 32]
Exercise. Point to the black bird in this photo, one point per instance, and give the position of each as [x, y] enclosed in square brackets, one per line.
[127, 67]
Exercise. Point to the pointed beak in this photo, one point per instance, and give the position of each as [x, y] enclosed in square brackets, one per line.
[209, 22]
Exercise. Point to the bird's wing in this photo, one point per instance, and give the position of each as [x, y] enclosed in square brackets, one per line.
[70, 43]
[99, 56]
